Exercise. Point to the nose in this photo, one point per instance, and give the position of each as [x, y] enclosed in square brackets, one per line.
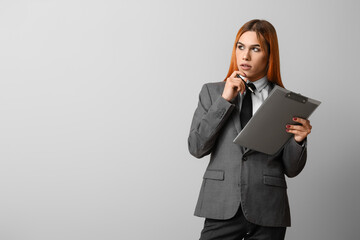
[246, 56]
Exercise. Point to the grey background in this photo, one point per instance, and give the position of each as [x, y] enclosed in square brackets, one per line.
[96, 100]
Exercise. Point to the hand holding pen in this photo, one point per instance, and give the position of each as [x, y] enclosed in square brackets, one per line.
[234, 85]
[249, 86]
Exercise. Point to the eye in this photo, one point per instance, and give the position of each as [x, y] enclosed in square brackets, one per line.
[255, 49]
[241, 47]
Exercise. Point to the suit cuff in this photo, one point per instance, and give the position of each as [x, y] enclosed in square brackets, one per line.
[302, 143]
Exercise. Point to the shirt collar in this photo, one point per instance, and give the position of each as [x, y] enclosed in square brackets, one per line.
[261, 83]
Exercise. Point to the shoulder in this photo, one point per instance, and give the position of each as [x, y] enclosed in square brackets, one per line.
[214, 88]
[211, 91]
[215, 85]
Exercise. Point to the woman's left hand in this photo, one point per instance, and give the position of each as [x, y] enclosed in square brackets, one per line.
[300, 131]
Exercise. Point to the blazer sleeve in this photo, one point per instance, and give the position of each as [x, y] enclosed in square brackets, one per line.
[210, 115]
[294, 157]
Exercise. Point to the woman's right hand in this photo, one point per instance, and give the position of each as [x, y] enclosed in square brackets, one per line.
[233, 86]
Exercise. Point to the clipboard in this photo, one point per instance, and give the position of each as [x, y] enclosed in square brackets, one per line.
[265, 132]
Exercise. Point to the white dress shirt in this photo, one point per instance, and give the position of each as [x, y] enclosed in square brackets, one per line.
[260, 94]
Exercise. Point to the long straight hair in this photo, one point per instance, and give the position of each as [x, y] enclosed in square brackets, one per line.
[267, 37]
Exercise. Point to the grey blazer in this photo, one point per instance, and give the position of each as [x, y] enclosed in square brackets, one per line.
[236, 175]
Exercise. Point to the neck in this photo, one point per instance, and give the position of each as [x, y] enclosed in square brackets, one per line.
[256, 78]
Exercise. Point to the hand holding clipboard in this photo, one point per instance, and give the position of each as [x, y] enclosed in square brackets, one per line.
[265, 130]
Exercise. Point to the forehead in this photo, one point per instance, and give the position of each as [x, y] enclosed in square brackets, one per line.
[249, 38]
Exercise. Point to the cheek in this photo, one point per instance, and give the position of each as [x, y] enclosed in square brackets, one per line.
[263, 61]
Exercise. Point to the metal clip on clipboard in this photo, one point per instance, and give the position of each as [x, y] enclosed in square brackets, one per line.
[297, 97]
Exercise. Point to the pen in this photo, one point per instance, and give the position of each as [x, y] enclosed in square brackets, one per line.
[249, 86]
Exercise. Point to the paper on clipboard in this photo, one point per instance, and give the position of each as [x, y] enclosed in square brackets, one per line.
[265, 132]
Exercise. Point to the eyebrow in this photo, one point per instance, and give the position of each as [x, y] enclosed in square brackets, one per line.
[254, 45]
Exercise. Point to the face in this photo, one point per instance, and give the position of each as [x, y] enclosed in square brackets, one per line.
[250, 57]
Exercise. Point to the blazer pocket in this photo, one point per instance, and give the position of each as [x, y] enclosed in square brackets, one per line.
[214, 174]
[275, 181]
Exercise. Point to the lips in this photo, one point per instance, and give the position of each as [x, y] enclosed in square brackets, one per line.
[245, 66]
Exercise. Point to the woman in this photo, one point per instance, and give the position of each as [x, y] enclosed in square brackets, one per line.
[243, 194]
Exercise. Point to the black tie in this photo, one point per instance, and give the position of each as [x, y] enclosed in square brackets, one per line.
[246, 108]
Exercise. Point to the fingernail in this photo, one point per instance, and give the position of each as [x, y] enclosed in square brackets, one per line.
[295, 118]
[287, 130]
[287, 126]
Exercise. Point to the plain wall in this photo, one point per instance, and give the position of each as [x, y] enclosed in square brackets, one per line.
[97, 97]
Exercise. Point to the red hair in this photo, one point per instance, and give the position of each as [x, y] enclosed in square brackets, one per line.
[267, 37]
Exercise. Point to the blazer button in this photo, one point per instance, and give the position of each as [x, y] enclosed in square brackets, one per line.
[244, 158]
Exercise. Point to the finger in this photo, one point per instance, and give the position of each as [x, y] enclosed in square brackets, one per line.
[239, 81]
[244, 78]
[233, 75]
[242, 91]
[236, 85]
[231, 80]
[301, 120]
[241, 86]
[299, 132]
[238, 72]
[236, 81]
[299, 128]
[296, 127]
[296, 132]
[232, 85]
